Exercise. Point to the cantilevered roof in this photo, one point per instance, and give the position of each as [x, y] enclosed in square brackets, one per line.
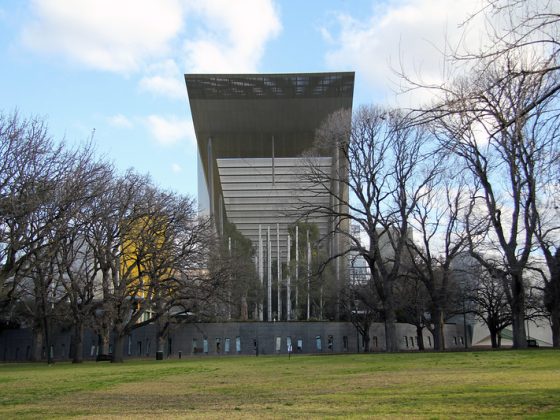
[241, 112]
[271, 86]
[256, 126]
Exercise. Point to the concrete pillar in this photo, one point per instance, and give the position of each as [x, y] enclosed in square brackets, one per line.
[279, 269]
[210, 166]
[230, 285]
[308, 277]
[261, 272]
[288, 283]
[297, 274]
[220, 215]
[269, 300]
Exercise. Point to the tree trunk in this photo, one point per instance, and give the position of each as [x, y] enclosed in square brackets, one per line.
[48, 339]
[439, 337]
[244, 308]
[78, 343]
[552, 299]
[118, 348]
[420, 337]
[160, 344]
[104, 340]
[518, 312]
[555, 326]
[161, 335]
[494, 338]
[37, 344]
[391, 343]
[366, 339]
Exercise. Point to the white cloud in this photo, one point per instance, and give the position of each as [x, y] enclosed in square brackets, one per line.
[160, 40]
[170, 130]
[165, 79]
[233, 35]
[407, 35]
[176, 168]
[104, 34]
[120, 121]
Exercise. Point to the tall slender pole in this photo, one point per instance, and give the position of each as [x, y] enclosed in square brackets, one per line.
[465, 323]
[308, 276]
[230, 285]
[288, 283]
[297, 273]
[261, 273]
[269, 263]
[336, 239]
[279, 269]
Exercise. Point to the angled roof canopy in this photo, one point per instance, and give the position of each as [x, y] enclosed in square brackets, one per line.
[250, 127]
[241, 112]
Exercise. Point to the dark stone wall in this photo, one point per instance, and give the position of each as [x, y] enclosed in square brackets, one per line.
[226, 338]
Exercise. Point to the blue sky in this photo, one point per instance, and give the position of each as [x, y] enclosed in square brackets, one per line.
[117, 66]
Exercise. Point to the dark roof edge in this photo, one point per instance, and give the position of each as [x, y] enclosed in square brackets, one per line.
[239, 75]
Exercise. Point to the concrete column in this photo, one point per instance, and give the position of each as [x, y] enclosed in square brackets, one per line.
[220, 215]
[297, 274]
[230, 285]
[261, 272]
[288, 283]
[308, 277]
[279, 269]
[210, 166]
[269, 300]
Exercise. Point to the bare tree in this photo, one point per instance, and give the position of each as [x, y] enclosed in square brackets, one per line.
[523, 29]
[490, 301]
[361, 301]
[548, 237]
[385, 166]
[41, 196]
[78, 269]
[439, 238]
[173, 262]
[507, 134]
[39, 300]
[30, 164]
[551, 290]
[415, 306]
[163, 251]
[139, 230]
[505, 149]
[89, 248]
[243, 285]
[108, 215]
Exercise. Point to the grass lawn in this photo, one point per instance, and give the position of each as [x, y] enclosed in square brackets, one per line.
[505, 384]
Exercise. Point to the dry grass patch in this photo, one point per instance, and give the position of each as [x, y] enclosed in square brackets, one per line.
[504, 384]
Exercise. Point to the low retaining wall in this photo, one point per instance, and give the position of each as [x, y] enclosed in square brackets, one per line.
[230, 338]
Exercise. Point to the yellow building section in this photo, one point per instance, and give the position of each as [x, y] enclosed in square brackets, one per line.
[143, 255]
